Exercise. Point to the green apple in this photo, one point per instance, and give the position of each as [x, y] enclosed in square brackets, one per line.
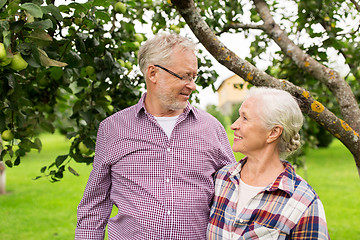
[2, 51]
[128, 65]
[139, 37]
[83, 148]
[350, 78]
[108, 98]
[120, 7]
[110, 108]
[7, 135]
[90, 70]
[255, 17]
[137, 44]
[5, 61]
[175, 28]
[18, 63]
[121, 62]
[252, 49]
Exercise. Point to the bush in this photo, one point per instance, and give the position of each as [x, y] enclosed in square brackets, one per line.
[213, 110]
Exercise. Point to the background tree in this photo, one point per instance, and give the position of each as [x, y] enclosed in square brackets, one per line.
[305, 32]
[70, 66]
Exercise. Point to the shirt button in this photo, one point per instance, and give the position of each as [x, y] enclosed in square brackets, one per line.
[168, 149]
[167, 180]
[168, 212]
[241, 220]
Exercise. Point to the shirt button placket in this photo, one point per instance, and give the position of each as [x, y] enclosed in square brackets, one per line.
[168, 194]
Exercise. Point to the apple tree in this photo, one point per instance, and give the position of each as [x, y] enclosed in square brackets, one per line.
[68, 66]
[305, 35]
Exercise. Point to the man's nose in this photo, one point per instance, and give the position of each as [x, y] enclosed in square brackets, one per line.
[191, 85]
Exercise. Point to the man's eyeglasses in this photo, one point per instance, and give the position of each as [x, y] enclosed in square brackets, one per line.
[188, 78]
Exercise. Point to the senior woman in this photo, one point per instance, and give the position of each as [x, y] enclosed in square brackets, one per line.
[261, 197]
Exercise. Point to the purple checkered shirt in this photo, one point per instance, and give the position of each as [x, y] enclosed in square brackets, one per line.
[162, 187]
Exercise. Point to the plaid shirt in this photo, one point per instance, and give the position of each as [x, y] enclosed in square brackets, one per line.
[162, 187]
[286, 209]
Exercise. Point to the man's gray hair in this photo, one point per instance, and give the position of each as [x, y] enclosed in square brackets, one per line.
[158, 50]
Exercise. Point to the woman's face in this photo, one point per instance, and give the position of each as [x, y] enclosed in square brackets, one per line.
[250, 135]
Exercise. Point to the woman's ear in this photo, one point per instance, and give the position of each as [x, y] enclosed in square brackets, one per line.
[275, 133]
[151, 73]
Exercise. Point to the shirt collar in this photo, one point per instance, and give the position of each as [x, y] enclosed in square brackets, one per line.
[140, 108]
[285, 181]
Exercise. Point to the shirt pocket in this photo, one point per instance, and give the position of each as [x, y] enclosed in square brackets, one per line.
[262, 232]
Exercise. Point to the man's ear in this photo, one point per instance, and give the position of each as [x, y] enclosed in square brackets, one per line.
[275, 133]
[151, 73]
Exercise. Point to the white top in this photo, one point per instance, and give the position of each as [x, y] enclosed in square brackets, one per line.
[167, 124]
[246, 192]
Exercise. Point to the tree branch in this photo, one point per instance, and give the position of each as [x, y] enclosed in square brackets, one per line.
[332, 79]
[357, 6]
[248, 72]
[241, 26]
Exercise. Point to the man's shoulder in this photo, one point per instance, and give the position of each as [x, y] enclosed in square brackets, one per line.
[125, 114]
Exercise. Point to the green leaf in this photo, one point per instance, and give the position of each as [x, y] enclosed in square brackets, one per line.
[102, 3]
[38, 144]
[20, 152]
[3, 153]
[13, 7]
[73, 171]
[54, 179]
[46, 61]
[40, 34]
[45, 24]
[33, 9]
[79, 8]
[60, 159]
[53, 10]
[8, 163]
[43, 169]
[25, 144]
[48, 126]
[56, 73]
[64, 8]
[2, 3]
[59, 174]
[17, 161]
[103, 16]
[72, 59]
[87, 116]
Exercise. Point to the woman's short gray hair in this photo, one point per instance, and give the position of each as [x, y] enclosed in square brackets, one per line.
[159, 49]
[278, 107]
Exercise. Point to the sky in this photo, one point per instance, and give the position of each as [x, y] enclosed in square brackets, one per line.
[242, 49]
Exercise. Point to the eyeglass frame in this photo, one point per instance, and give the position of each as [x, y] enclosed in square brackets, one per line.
[189, 78]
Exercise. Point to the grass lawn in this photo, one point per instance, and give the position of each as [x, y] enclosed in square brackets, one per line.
[333, 175]
[43, 210]
[38, 209]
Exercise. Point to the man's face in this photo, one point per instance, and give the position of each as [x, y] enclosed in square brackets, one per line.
[172, 92]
